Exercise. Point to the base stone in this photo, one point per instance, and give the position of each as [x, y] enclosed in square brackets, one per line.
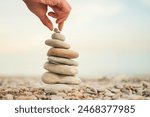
[51, 78]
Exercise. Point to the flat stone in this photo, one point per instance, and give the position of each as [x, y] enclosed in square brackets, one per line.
[58, 36]
[57, 43]
[26, 98]
[107, 98]
[147, 98]
[116, 96]
[65, 53]
[139, 91]
[101, 89]
[135, 97]
[62, 94]
[121, 99]
[99, 98]
[145, 84]
[57, 88]
[89, 98]
[91, 90]
[136, 86]
[114, 90]
[51, 78]
[108, 93]
[125, 91]
[61, 69]
[59, 60]
[118, 86]
[56, 97]
[8, 97]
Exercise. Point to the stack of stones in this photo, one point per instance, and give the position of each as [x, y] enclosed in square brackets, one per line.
[61, 68]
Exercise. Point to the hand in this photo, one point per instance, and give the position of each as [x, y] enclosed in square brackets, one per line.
[40, 7]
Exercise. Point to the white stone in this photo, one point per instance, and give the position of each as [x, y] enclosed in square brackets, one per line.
[51, 78]
[8, 97]
[61, 69]
[56, 97]
[55, 88]
[59, 60]
[57, 43]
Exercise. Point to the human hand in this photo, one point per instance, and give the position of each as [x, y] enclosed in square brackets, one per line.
[61, 10]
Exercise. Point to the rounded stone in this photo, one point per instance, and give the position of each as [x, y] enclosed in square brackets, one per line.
[56, 30]
[26, 98]
[52, 78]
[55, 88]
[56, 97]
[65, 53]
[57, 43]
[58, 36]
[58, 60]
[61, 69]
[9, 97]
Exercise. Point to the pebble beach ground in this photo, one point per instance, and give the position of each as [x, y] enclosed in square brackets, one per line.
[126, 88]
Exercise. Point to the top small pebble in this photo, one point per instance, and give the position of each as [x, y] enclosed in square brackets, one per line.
[56, 30]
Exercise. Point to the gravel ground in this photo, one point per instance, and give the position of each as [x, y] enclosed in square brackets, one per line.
[125, 88]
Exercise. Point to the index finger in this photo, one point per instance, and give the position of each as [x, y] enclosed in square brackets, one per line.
[60, 26]
[47, 22]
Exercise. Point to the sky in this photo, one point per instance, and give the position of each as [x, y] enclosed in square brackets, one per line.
[111, 36]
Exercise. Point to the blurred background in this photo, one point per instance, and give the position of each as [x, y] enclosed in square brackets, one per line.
[112, 37]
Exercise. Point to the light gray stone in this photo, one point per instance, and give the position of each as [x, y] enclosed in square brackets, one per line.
[59, 60]
[91, 90]
[139, 91]
[114, 90]
[61, 69]
[108, 93]
[56, 30]
[58, 36]
[147, 98]
[64, 53]
[99, 98]
[21, 97]
[8, 97]
[135, 97]
[107, 98]
[118, 86]
[62, 94]
[116, 96]
[56, 88]
[57, 43]
[56, 97]
[145, 84]
[51, 78]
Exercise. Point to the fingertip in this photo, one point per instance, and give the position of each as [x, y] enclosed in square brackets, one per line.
[60, 26]
[57, 21]
[51, 27]
[47, 23]
[60, 29]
